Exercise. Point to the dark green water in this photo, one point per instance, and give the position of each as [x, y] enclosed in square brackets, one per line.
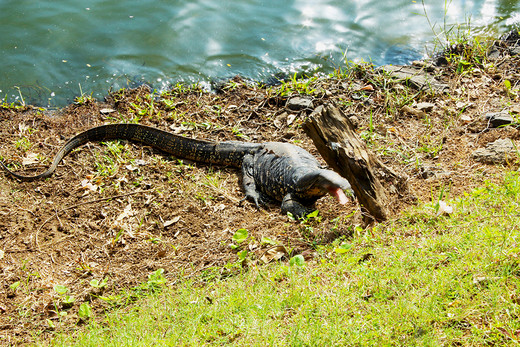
[50, 48]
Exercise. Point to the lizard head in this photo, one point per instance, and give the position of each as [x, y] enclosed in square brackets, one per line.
[322, 182]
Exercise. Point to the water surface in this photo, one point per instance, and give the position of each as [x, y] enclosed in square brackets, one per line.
[53, 49]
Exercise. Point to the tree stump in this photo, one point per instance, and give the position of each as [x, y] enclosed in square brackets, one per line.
[334, 136]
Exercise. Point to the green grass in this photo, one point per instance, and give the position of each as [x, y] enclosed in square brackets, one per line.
[421, 279]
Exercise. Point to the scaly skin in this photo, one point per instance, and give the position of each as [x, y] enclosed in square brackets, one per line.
[271, 170]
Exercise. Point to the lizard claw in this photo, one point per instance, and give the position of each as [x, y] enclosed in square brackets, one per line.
[256, 198]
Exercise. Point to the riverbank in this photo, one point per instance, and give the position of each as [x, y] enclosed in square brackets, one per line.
[118, 212]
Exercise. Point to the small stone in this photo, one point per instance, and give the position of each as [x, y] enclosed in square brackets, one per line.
[515, 109]
[354, 120]
[514, 51]
[465, 119]
[299, 103]
[497, 152]
[497, 119]
[425, 106]
[106, 110]
[493, 54]
[464, 105]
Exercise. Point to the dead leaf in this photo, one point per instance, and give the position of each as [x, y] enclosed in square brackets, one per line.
[444, 208]
[171, 221]
[87, 185]
[413, 111]
[31, 158]
[465, 119]
[290, 119]
[106, 110]
[274, 253]
[127, 212]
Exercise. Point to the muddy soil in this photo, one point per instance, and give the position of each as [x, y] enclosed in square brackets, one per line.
[121, 211]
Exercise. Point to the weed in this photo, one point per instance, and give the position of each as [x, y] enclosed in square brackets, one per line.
[23, 144]
[458, 47]
[83, 99]
[511, 92]
[297, 85]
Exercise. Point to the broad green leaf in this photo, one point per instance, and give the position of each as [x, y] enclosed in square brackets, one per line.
[343, 248]
[84, 311]
[240, 235]
[297, 260]
[96, 284]
[15, 285]
[267, 241]
[313, 214]
[60, 289]
[68, 299]
[242, 255]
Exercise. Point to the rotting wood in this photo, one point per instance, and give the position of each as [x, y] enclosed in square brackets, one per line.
[374, 183]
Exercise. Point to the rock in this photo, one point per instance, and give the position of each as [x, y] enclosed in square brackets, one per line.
[298, 103]
[412, 111]
[354, 120]
[497, 152]
[515, 109]
[465, 119]
[497, 119]
[416, 77]
[425, 106]
[514, 51]
[493, 53]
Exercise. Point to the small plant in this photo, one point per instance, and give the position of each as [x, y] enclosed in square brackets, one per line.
[65, 300]
[239, 237]
[297, 85]
[83, 99]
[14, 285]
[23, 144]
[84, 311]
[297, 260]
[512, 93]
[97, 284]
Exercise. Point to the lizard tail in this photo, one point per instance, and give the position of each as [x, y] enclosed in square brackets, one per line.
[220, 153]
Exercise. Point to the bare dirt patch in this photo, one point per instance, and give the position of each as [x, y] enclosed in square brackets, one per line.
[121, 211]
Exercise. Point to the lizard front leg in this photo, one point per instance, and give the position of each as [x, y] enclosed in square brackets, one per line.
[248, 182]
[297, 209]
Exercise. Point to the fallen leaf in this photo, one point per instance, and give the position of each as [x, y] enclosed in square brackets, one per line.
[466, 119]
[127, 212]
[274, 253]
[140, 162]
[410, 110]
[171, 221]
[444, 208]
[290, 119]
[31, 158]
[87, 185]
